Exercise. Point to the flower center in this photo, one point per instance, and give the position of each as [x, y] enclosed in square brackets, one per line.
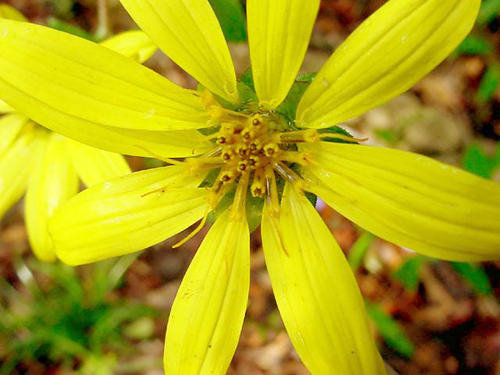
[253, 150]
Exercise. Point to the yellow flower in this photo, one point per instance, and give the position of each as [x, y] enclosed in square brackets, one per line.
[49, 166]
[253, 153]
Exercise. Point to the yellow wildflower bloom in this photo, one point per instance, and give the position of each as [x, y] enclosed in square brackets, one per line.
[254, 153]
[49, 166]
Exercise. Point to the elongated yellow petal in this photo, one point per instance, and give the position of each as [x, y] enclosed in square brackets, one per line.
[134, 44]
[189, 33]
[94, 166]
[278, 35]
[11, 13]
[207, 315]
[10, 126]
[127, 214]
[316, 292]
[47, 73]
[15, 168]
[410, 200]
[52, 183]
[5, 108]
[390, 52]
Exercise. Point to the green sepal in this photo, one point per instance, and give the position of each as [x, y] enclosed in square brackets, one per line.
[247, 79]
[336, 130]
[254, 207]
[288, 108]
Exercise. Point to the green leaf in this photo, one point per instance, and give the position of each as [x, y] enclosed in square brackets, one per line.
[489, 84]
[475, 45]
[69, 28]
[231, 18]
[496, 158]
[63, 8]
[490, 9]
[475, 276]
[476, 161]
[409, 272]
[359, 249]
[390, 330]
[388, 135]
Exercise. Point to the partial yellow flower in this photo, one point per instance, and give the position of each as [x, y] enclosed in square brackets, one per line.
[255, 157]
[47, 166]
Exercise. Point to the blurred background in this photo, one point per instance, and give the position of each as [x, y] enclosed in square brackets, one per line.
[429, 317]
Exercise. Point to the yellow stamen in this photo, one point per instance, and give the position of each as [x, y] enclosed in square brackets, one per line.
[205, 163]
[193, 233]
[238, 208]
[258, 188]
[284, 171]
[309, 136]
[272, 200]
[296, 157]
[159, 157]
[271, 149]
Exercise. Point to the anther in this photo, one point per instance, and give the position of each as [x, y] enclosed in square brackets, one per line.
[227, 176]
[256, 120]
[242, 150]
[271, 149]
[242, 166]
[247, 134]
[227, 155]
[258, 188]
[221, 140]
[254, 162]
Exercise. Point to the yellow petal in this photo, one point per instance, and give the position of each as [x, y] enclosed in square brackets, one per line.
[189, 33]
[5, 108]
[127, 214]
[94, 166]
[278, 36]
[10, 126]
[52, 183]
[207, 315]
[15, 167]
[316, 292]
[385, 56]
[11, 13]
[134, 44]
[410, 200]
[47, 74]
